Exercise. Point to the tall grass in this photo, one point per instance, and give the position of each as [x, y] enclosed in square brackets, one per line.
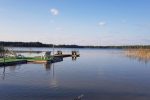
[140, 54]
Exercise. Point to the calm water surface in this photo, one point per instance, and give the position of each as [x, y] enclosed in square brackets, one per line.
[97, 74]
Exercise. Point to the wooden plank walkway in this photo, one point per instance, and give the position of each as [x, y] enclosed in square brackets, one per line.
[54, 60]
[57, 58]
[11, 63]
[66, 55]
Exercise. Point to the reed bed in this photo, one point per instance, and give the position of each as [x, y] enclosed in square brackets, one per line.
[140, 54]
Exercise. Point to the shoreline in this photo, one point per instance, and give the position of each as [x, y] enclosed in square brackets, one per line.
[26, 61]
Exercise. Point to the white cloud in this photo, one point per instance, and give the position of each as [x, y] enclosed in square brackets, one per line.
[102, 23]
[54, 11]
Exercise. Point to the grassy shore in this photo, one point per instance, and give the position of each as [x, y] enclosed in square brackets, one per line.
[36, 58]
[13, 59]
[9, 60]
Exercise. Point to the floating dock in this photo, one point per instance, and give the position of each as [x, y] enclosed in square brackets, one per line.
[66, 55]
[55, 58]
[73, 54]
[13, 63]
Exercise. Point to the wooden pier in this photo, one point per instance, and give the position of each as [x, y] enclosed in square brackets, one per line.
[55, 58]
[17, 62]
[13, 63]
[73, 54]
[66, 55]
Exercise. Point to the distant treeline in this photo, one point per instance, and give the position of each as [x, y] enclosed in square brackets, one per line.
[39, 44]
[24, 44]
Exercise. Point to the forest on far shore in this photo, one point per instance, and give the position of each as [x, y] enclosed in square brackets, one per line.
[39, 44]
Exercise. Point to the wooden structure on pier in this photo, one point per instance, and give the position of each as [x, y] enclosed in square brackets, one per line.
[59, 53]
[73, 54]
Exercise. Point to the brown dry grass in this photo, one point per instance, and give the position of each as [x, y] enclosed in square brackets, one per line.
[141, 54]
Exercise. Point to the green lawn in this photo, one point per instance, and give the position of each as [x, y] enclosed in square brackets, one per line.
[36, 58]
[10, 59]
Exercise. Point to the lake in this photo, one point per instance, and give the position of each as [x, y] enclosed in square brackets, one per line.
[98, 74]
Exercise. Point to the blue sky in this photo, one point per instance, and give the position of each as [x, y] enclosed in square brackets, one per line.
[83, 22]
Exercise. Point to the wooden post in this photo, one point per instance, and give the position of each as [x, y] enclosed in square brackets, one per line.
[59, 52]
[3, 52]
[53, 49]
[4, 73]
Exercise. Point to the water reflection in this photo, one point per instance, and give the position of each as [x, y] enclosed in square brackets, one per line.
[99, 75]
[14, 68]
[142, 55]
[53, 81]
[48, 66]
[11, 69]
[74, 58]
[3, 74]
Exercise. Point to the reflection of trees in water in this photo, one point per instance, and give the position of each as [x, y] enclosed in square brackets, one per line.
[142, 55]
